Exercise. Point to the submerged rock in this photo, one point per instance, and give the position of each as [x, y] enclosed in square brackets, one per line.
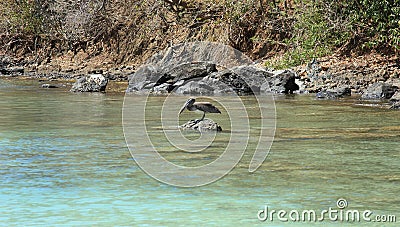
[201, 126]
[49, 86]
[90, 83]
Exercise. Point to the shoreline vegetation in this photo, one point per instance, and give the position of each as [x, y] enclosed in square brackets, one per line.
[327, 44]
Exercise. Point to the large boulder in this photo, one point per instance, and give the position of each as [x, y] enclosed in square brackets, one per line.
[195, 87]
[188, 71]
[243, 80]
[209, 85]
[246, 79]
[379, 90]
[283, 81]
[144, 79]
[150, 78]
[203, 78]
[90, 83]
[201, 126]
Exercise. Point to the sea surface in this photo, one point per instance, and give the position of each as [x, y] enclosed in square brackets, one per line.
[64, 161]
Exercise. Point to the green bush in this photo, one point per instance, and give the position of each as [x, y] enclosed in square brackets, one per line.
[21, 17]
[322, 27]
[377, 23]
[294, 30]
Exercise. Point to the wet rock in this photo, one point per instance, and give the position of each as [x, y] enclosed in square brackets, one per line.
[90, 83]
[379, 90]
[201, 126]
[334, 93]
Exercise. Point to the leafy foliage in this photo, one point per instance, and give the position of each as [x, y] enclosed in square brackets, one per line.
[296, 30]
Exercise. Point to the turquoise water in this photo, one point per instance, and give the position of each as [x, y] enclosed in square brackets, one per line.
[64, 161]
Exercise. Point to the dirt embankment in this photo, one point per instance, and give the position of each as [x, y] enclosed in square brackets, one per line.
[329, 72]
[114, 39]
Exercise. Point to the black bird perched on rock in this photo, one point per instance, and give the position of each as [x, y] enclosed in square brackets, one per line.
[206, 107]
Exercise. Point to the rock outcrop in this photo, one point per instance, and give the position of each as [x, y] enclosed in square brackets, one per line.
[201, 126]
[203, 78]
[90, 83]
[379, 90]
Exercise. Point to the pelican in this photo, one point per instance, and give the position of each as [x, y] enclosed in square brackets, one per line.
[206, 107]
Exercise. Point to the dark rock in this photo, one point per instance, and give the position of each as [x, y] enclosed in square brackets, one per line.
[148, 77]
[236, 82]
[90, 83]
[96, 71]
[144, 79]
[243, 80]
[395, 97]
[247, 79]
[284, 81]
[395, 105]
[203, 78]
[49, 86]
[190, 71]
[334, 93]
[379, 90]
[161, 89]
[195, 87]
[201, 126]
[12, 70]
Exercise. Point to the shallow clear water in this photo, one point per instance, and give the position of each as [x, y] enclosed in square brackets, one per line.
[64, 161]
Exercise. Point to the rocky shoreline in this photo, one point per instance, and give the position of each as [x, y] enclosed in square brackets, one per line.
[373, 77]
